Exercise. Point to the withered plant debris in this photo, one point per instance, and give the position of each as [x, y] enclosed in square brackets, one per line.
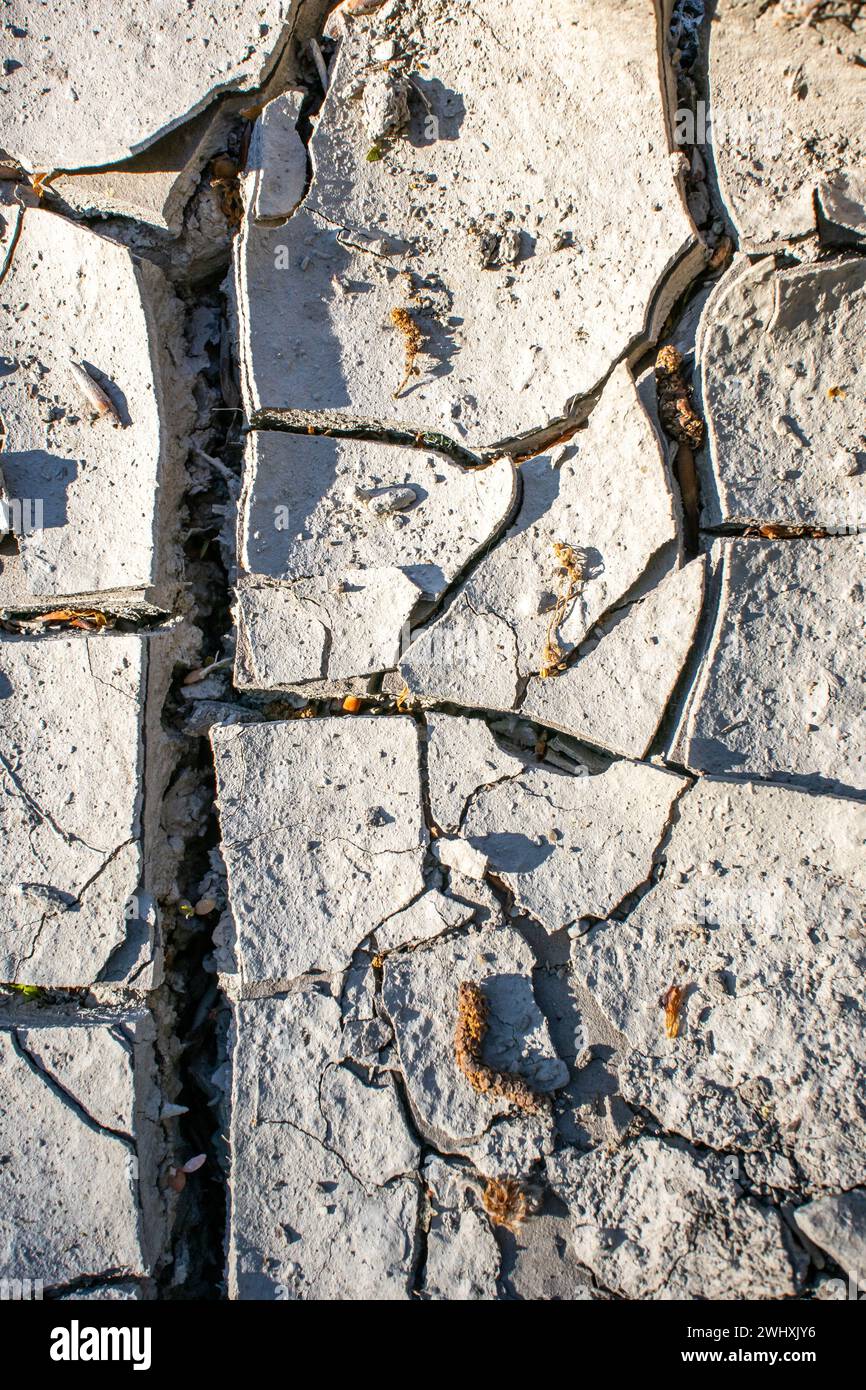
[778, 531]
[472, 1023]
[571, 576]
[85, 619]
[96, 396]
[678, 417]
[226, 183]
[506, 1202]
[672, 1004]
[412, 342]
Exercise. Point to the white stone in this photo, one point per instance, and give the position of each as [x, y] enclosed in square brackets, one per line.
[573, 256]
[616, 694]
[779, 351]
[275, 173]
[610, 500]
[82, 855]
[78, 1099]
[309, 507]
[319, 520]
[837, 1224]
[322, 836]
[779, 693]
[462, 755]
[312, 630]
[785, 114]
[155, 185]
[106, 487]
[419, 995]
[84, 94]
[324, 1194]
[456, 854]
[463, 1257]
[758, 919]
[430, 916]
[570, 847]
[656, 1222]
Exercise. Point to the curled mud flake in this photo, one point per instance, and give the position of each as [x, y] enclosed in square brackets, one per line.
[472, 1023]
[677, 414]
[571, 576]
[97, 398]
[672, 1003]
[412, 341]
[506, 1202]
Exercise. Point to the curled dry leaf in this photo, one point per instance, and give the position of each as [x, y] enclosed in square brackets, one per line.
[96, 396]
[672, 1003]
[88, 619]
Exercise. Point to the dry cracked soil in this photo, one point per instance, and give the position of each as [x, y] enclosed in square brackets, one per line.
[432, 735]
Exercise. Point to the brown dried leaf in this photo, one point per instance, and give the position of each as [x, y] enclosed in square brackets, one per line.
[672, 1003]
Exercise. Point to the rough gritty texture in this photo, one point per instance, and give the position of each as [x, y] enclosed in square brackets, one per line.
[71, 296]
[541, 978]
[504, 232]
[837, 1224]
[78, 94]
[76, 1100]
[322, 835]
[787, 120]
[353, 537]
[462, 756]
[609, 499]
[76, 904]
[571, 847]
[326, 506]
[618, 689]
[325, 1192]
[758, 918]
[420, 998]
[654, 1221]
[774, 345]
[780, 689]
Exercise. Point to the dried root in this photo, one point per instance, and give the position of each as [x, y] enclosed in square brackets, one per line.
[571, 576]
[506, 1202]
[678, 417]
[412, 343]
[472, 1016]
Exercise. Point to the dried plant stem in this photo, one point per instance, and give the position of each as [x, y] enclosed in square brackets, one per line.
[412, 342]
[472, 1016]
[570, 582]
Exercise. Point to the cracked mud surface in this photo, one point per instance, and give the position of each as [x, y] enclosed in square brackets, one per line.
[432, 790]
